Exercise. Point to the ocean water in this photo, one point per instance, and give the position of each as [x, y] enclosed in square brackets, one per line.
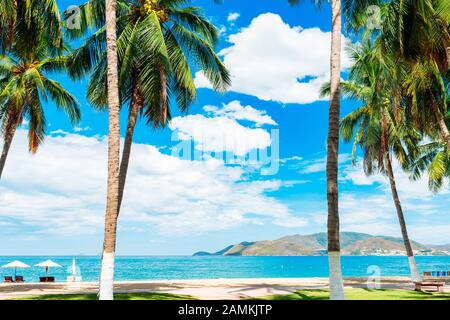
[181, 267]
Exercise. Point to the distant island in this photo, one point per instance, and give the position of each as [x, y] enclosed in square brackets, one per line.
[352, 244]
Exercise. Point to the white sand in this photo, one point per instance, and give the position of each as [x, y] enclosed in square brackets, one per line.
[212, 289]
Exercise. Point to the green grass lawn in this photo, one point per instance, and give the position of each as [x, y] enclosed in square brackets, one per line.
[117, 296]
[315, 294]
[362, 294]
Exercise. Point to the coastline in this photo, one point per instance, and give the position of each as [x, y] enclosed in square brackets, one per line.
[208, 289]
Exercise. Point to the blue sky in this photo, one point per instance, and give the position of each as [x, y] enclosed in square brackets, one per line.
[53, 202]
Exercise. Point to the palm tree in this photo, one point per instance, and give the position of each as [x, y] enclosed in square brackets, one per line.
[24, 86]
[34, 21]
[426, 93]
[433, 155]
[332, 168]
[334, 247]
[418, 33]
[156, 39]
[427, 49]
[8, 16]
[433, 158]
[380, 126]
[106, 290]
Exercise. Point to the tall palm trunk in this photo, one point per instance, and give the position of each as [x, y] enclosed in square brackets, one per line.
[12, 27]
[441, 122]
[448, 57]
[415, 276]
[136, 104]
[109, 244]
[6, 145]
[334, 255]
[14, 121]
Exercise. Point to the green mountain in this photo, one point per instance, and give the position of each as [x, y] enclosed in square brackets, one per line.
[352, 243]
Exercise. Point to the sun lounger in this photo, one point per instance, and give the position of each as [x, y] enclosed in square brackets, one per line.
[9, 279]
[19, 279]
[46, 279]
[419, 286]
[437, 274]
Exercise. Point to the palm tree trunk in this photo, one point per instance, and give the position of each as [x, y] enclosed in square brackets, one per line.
[13, 121]
[448, 57]
[12, 27]
[415, 276]
[6, 145]
[106, 291]
[136, 104]
[441, 122]
[334, 255]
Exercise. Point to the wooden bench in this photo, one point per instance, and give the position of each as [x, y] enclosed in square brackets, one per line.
[418, 286]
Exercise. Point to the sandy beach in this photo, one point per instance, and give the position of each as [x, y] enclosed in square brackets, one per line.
[208, 289]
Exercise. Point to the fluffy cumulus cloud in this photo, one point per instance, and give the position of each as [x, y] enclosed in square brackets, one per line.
[61, 190]
[220, 130]
[271, 60]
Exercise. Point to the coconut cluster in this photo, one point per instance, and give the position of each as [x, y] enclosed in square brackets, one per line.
[150, 6]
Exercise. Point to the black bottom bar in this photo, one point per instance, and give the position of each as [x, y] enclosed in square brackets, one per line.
[217, 310]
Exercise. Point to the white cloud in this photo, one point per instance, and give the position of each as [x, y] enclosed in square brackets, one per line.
[81, 129]
[407, 188]
[61, 190]
[376, 228]
[273, 61]
[358, 212]
[220, 130]
[431, 233]
[233, 16]
[289, 159]
[58, 131]
[234, 110]
[222, 30]
[366, 205]
[319, 165]
[291, 222]
[220, 134]
[374, 212]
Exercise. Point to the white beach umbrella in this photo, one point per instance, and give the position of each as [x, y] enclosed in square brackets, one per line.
[16, 264]
[47, 264]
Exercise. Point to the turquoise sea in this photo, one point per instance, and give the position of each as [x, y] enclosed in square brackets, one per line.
[181, 267]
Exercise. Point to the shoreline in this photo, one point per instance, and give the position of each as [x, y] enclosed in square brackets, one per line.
[210, 289]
